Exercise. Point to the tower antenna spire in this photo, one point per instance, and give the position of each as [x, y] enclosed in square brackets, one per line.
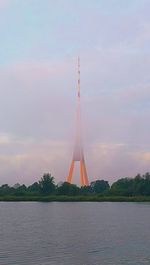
[78, 77]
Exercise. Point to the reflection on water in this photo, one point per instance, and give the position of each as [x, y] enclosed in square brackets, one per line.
[81, 233]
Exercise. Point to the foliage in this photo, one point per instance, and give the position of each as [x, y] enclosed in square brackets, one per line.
[68, 189]
[85, 190]
[140, 185]
[34, 188]
[122, 187]
[98, 190]
[47, 184]
[99, 186]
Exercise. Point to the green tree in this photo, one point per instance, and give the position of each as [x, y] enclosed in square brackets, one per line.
[34, 188]
[147, 176]
[123, 187]
[147, 184]
[68, 189]
[21, 190]
[46, 184]
[5, 189]
[99, 186]
[86, 190]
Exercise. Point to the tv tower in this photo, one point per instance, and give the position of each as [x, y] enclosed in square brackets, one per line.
[78, 155]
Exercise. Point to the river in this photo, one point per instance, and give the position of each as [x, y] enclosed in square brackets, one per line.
[74, 233]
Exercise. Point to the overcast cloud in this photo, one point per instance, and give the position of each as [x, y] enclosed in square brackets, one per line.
[39, 45]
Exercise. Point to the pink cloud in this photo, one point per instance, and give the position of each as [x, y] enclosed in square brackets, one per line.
[136, 94]
[31, 159]
[4, 3]
[46, 113]
[32, 70]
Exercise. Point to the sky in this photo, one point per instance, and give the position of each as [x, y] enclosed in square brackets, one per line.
[39, 45]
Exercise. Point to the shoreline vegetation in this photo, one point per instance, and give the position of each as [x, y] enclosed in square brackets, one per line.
[125, 189]
[61, 198]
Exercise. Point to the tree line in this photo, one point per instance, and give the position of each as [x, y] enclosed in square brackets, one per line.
[137, 186]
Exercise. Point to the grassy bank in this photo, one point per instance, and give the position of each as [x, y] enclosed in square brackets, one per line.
[61, 198]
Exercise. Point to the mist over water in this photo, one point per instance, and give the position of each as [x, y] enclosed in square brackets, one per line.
[74, 233]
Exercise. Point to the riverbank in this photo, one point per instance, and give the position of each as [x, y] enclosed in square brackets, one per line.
[61, 198]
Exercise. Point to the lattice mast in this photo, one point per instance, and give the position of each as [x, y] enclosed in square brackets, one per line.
[78, 155]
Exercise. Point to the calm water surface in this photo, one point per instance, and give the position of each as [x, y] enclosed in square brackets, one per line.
[81, 233]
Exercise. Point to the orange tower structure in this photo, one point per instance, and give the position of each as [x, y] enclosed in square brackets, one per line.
[78, 155]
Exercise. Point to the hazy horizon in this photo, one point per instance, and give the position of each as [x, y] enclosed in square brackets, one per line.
[40, 42]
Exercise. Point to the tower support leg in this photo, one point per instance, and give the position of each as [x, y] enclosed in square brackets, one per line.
[81, 174]
[85, 177]
[69, 178]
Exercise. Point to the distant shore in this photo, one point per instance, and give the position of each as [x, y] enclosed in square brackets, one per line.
[74, 199]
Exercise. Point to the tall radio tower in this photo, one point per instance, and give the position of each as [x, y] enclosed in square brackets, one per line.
[78, 155]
